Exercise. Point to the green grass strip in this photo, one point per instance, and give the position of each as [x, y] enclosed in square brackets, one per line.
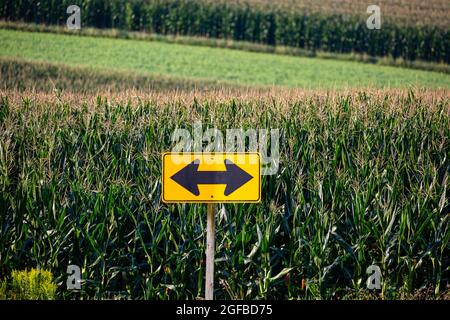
[212, 64]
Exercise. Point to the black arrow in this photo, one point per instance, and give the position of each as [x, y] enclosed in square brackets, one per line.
[189, 177]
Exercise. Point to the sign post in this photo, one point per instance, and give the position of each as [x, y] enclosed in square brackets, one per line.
[211, 178]
[210, 246]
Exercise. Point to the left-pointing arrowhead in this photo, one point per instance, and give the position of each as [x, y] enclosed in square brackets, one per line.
[236, 177]
[186, 177]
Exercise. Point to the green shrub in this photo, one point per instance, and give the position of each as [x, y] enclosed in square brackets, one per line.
[29, 285]
[3, 295]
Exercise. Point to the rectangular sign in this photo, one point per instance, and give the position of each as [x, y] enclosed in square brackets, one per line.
[211, 177]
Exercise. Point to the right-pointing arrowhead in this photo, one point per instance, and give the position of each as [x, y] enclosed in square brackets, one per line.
[236, 177]
[186, 177]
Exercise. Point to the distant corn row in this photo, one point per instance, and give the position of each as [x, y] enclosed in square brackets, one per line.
[433, 12]
[363, 179]
[260, 24]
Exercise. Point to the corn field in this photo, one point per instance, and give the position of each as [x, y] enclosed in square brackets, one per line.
[252, 22]
[363, 179]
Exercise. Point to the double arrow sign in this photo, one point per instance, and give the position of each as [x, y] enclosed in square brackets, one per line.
[233, 177]
[211, 177]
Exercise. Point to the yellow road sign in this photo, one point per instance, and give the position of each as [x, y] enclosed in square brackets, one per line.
[211, 177]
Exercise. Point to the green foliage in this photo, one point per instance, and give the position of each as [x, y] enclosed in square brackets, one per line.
[3, 290]
[29, 285]
[363, 180]
[260, 24]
